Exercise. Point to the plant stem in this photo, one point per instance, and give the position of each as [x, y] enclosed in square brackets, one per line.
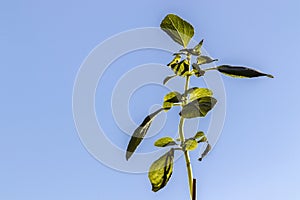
[182, 139]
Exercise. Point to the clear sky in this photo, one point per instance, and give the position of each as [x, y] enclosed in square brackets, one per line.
[43, 44]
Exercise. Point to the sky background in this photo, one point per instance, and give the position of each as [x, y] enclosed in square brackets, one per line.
[43, 44]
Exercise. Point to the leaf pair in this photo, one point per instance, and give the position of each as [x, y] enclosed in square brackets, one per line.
[192, 143]
[170, 99]
[164, 142]
[201, 103]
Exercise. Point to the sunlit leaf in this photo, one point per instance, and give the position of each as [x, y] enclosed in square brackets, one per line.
[205, 152]
[199, 134]
[200, 137]
[175, 60]
[198, 108]
[161, 170]
[170, 99]
[165, 141]
[196, 93]
[178, 29]
[140, 133]
[190, 144]
[205, 60]
[168, 78]
[182, 68]
[241, 72]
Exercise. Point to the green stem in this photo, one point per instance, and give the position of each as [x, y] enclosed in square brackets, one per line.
[182, 139]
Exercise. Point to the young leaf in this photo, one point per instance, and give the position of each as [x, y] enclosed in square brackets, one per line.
[182, 68]
[199, 134]
[140, 133]
[198, 108]
[200, 137]
[190, 144]
[178, 29]
[198, 71]
[168, 78]
[196, 51]
[196, 93]
[175, 60]
[165, 141]
[203, 139]
[161, 170]
[241, 72]
[205, 60]
[205, 152]
[170, 99]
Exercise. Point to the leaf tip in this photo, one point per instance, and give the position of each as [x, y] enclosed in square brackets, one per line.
[269, 75]
[154, 189]
[128, 155]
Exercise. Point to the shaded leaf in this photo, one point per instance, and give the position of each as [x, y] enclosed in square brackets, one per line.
[198, 108]
[170, 99]
[205, 152]
[165, 141]
[241, 72]
[140, 133]
[203, 139]
[161, 170]
[168, 78]
[178, 29]
[190, 144]
[196, 51]
[196, 93]
[205, 60]
[198, 71]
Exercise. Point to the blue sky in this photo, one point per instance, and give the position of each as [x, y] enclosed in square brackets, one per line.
[43, 44]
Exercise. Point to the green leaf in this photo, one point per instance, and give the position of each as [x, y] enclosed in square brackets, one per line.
[205, 152]
[168, 78]
[140, 133]
[167, 106]
[190, 144]
[198, 71]
[196, 93]
[205, 60]
[182, 68]
[175, 60]
[170, 99]
[161, 170]
[203, 139]
[198, 108]
[178, 29]
[200, 137]
[199, 134]
[196, 51]
[165, 141]
[241, 72]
